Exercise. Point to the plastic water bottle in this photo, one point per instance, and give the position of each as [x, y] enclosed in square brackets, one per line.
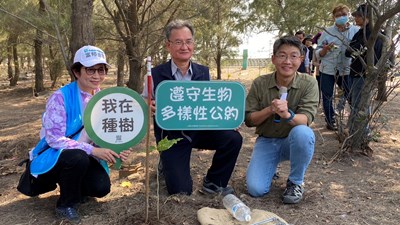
[237, 208]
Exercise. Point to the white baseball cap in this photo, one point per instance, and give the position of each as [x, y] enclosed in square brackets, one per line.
[90, 55]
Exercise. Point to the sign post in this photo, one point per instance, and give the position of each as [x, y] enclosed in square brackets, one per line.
[245, 59]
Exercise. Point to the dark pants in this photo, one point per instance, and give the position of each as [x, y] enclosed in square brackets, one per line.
[319, 88]
[176, 160]
[327, 89]
[78, 175]
[356, 89]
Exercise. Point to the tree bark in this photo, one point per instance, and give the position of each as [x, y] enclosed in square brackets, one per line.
[14, 54]
[135, 81]
[382, 89]
[38, 62]
[38, 54]
[359, 136]
[55, 65]
[14, 80]
[120, 67]
[10, 70]
[82, 28]
[218, 62]
[219, 43]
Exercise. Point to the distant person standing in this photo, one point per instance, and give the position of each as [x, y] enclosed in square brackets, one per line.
[305, 64]
[335, 66]
[316, 62]
[308, 43]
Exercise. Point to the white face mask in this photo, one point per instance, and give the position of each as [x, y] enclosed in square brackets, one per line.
[342, 20]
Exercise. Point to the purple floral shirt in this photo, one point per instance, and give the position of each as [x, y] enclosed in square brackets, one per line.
[55, 123]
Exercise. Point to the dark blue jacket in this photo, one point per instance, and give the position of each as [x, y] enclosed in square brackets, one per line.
[163, 72]
[357, 43]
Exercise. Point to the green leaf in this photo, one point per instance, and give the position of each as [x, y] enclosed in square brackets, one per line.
[152, 148]
[165, 144]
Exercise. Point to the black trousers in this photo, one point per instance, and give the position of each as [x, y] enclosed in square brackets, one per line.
[78, 175]
[176, 160]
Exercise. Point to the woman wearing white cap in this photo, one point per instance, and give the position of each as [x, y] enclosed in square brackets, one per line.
[70, 158]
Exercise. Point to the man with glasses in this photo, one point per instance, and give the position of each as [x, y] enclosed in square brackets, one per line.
[281, 106]
[335, 66]
[226, 143]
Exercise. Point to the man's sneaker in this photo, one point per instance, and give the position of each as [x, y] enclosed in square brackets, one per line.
[211, 188]
[293, 193]
[68, 213]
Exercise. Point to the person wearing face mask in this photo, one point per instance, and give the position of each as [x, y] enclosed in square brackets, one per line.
[335, 66]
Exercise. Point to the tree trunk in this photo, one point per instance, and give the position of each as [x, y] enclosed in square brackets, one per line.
[38, 62]
[381, 96]
[120, 67]
[55, 65]
[14, 79]
[21, 63]
[38, 54]
[135, 81]
[219, 42]
[218, 62]
[359, 120]
[10, 70]
[82, 28]
[382, 89]
[29, 62]
[51, 72]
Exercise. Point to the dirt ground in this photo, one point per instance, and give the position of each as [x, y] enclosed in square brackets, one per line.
[352, 190]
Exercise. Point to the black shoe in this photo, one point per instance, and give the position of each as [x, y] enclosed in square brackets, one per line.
[68, 213]
[211, 188]
[293, 193]
[331, 126]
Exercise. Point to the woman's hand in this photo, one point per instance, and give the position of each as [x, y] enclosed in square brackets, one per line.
[105, 154]
[124, 155]
[153, 107]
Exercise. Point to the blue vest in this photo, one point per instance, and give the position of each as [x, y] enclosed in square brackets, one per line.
[72, 102]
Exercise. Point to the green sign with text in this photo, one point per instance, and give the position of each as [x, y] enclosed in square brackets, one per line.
[116, 118]
[200, 105]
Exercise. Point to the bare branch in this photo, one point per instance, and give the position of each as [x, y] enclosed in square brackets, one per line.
[26, 21]
[59, 39]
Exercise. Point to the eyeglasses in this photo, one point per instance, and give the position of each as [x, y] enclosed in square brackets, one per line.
[284, 57]
[189, 42]
[101, 71]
